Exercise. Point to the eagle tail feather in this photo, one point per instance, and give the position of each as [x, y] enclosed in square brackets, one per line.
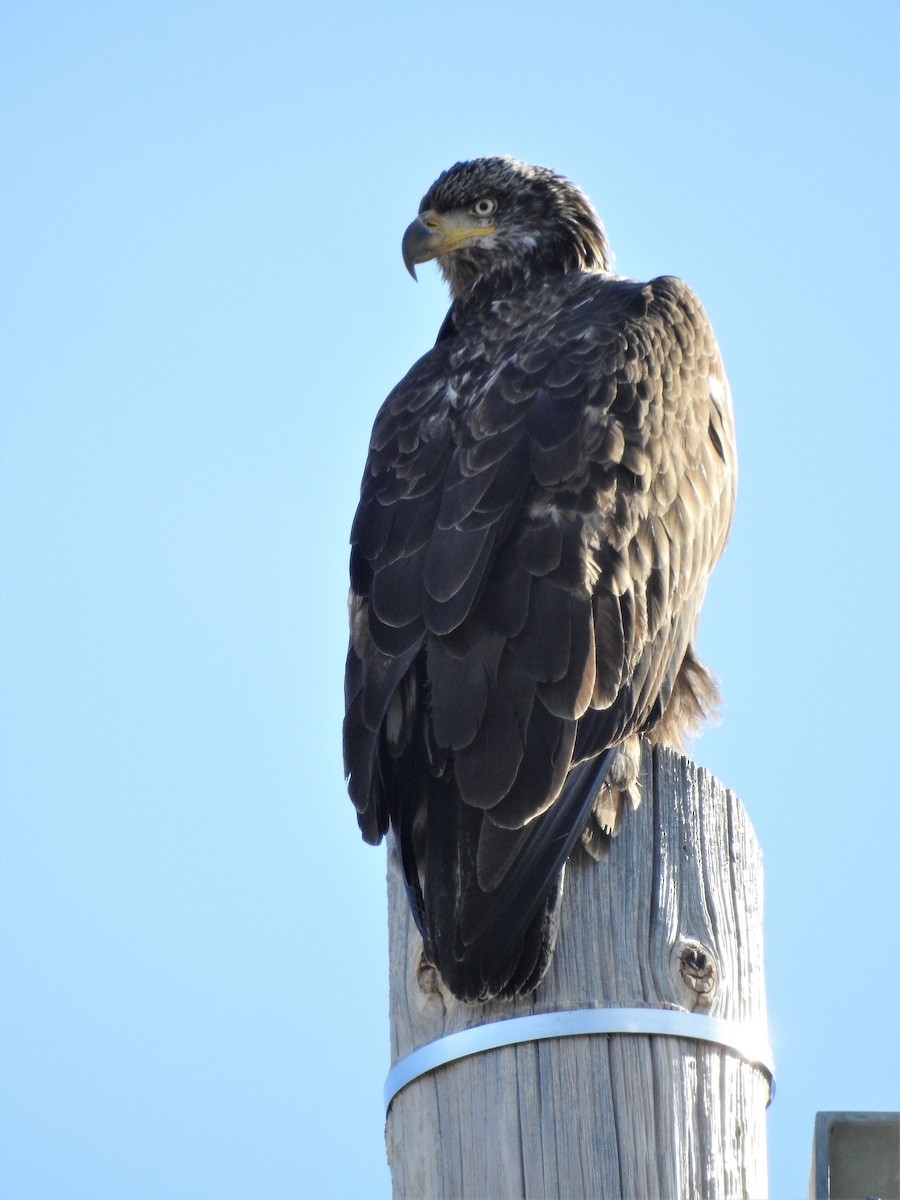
[494, 942]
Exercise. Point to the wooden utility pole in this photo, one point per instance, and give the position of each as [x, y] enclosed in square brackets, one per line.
[671, 921]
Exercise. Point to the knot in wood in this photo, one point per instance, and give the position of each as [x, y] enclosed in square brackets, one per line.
[698, 972]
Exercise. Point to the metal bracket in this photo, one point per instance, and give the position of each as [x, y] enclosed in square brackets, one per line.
[748, 1041]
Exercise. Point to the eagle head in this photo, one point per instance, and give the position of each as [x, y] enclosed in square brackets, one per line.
[494, 223]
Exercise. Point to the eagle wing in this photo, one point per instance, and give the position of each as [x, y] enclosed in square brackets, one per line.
[545, 495]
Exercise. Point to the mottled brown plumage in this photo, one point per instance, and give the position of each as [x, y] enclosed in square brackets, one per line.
[545, 495]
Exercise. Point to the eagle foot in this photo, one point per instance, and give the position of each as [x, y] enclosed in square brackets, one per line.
[621, 786]
[428, 981]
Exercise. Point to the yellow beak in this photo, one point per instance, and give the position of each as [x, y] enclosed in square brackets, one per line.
[432, 235]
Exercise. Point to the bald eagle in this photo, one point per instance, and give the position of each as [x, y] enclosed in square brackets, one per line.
[545, 495]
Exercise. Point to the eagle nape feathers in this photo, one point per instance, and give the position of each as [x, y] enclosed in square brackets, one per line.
[545, 495]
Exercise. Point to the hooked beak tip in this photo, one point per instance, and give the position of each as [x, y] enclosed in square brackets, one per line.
[419, 245]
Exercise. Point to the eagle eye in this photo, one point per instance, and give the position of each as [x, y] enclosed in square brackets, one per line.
[484, 207]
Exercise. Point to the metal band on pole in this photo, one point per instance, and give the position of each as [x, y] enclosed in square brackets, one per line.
[747, 1041]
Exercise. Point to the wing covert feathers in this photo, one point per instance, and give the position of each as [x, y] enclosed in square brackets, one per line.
[546, 493]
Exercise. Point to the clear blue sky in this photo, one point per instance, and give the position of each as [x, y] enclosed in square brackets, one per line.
[203, 305]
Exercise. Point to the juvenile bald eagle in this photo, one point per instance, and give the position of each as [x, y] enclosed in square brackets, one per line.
[545, 495]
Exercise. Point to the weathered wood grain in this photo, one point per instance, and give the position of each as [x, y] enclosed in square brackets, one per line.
[672, 919]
